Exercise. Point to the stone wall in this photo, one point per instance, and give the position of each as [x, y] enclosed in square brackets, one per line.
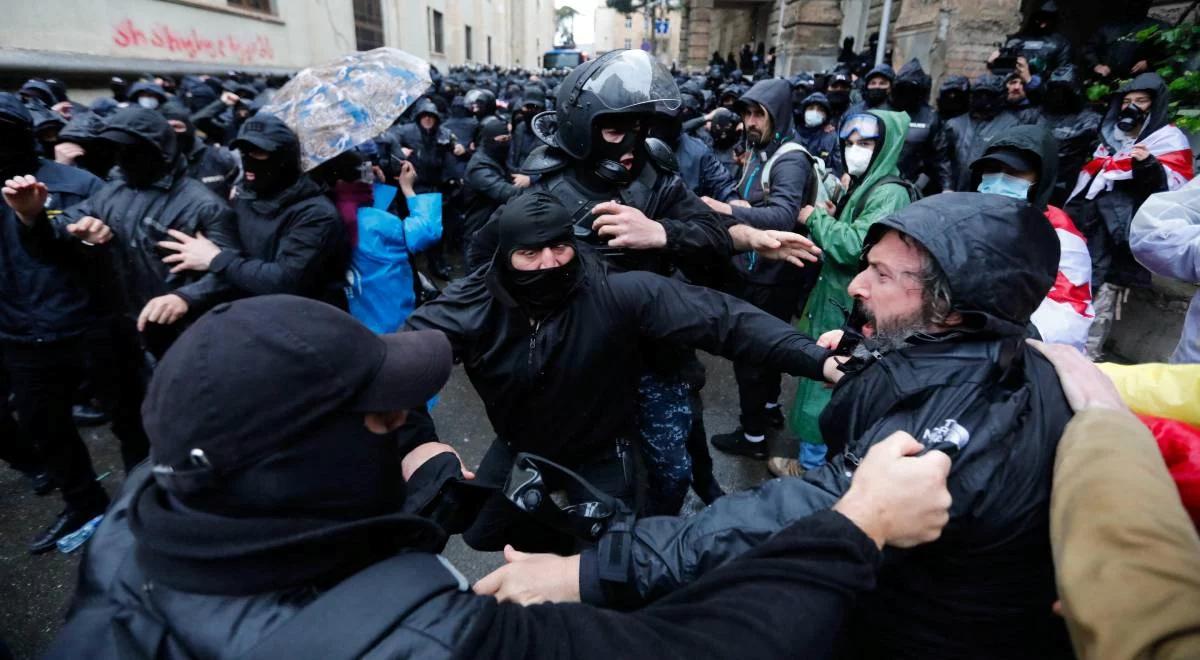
[811, 35]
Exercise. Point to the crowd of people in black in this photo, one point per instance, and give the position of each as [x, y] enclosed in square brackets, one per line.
[168, 266]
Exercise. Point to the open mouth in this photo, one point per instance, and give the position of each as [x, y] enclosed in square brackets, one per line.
[249, 176]
[627, 161]
[868, 330]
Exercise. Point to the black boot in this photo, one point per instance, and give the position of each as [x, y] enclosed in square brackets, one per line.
[735, 442]
[85, 414]
[775, 417]
[68, 521]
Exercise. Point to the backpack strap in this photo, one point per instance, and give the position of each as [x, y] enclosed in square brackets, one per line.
[371, 603]
[913, 193]
[815, 163]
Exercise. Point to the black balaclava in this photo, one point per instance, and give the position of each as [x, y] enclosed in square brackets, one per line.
[187, 139]
[907, 96]
[874, 96]
[18, 150]
[141, 163]
[536, 220]
[952, 103]
[1061, 99]
[986, 103]
[839, 101]
[98, 157]
[279, 170]
[488, 131]
[724, 129]
[602, 169]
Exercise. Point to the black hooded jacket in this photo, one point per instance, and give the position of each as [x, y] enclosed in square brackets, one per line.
[1045, 51]
[293, 242]
[777, 204]
[432, 150]
[1036, 142]
[43, 287]
[1108, 45]
[213, 165]
[1105, 219]
[920, 155]
[139, 219]
[1074, 125]
[991, 573]
[486, 187]
[566, 387]
[965, 137]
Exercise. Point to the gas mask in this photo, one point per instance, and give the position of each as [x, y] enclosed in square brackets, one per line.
[1130, 119]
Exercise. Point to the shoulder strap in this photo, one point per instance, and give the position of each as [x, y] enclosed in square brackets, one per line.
[785, 148]
[371, 602]
[913, 193]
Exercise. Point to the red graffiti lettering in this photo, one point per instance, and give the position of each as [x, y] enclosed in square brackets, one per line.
[193, 45]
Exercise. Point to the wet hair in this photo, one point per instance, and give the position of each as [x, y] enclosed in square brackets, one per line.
[937, 302]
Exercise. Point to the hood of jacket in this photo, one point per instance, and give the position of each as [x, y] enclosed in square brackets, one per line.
[1034, 140]
[12, 110]
[146, 87]
[816, 98]
[149, 125]
[950, 83]
[999, 254]
[775, 96]
[1157, 117]
[886, 160]
[83, 127]
[912, 73]
[884, 70]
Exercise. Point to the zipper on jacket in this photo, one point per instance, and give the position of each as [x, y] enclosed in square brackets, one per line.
[537, 325]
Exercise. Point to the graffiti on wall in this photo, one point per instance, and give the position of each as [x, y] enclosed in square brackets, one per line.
[192, 43]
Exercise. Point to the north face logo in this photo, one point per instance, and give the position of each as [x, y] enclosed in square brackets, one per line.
[948, 431]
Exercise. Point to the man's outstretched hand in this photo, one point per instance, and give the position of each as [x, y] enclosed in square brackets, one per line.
[528, 579]
[26, 196]
[897, 498]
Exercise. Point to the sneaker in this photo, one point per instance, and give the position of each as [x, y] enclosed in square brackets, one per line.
[775, 417]
[782, 466]
[85, 414]
[735, 442]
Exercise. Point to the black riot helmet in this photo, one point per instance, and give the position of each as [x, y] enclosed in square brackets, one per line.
[620, 82]
[482, 103]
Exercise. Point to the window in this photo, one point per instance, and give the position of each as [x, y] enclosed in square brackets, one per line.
[628, 44]
[489, 53]
[628, 21]
[262, 6]
[435, 30]
[468, 52]
[368, 24]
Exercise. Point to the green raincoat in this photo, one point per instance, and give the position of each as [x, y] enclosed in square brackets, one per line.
[841, 239]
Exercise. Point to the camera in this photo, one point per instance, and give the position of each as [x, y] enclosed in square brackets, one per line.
[1006, 62]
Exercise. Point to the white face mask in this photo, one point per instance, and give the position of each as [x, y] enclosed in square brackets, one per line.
[148, 102]
[858, 159]
[813, 118]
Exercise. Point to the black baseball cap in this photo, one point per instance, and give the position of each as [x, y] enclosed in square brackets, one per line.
[1014, 158]
[267, 132]
[250, 376]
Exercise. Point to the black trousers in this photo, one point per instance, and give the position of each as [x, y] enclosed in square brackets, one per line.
[16, 447]
[117, 374]
[44, 379]
[500, 522]
[758, 385]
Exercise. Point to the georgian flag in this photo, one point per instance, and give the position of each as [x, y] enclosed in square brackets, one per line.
[1066, 314]
[1168, 144]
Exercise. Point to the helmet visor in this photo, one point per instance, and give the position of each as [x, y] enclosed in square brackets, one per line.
[632, 80]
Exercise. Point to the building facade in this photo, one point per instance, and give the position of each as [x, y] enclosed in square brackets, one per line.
[79, 40]
[640, 29]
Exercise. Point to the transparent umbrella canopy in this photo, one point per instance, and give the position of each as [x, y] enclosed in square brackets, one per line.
[336, 106]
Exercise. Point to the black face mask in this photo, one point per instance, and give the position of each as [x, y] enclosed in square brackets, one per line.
[497, 151]
[838, 102]
[141, 165]
[18, 155]
[725, 139]
[271, 175]
[541, 292]
[186, 141]
[1130, 118]
[1060, 100]
[605, 160]
[985, 104]
[952, 104]
[98, 159]
[875, 97]
[906, 97]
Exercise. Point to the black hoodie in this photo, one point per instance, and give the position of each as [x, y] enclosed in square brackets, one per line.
[920, 155]
[786, 191]
[1075, 126]
[967, 136]
[1036, 142]
[140, 217]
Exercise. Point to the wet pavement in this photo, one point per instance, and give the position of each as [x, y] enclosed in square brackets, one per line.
[35, 591]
